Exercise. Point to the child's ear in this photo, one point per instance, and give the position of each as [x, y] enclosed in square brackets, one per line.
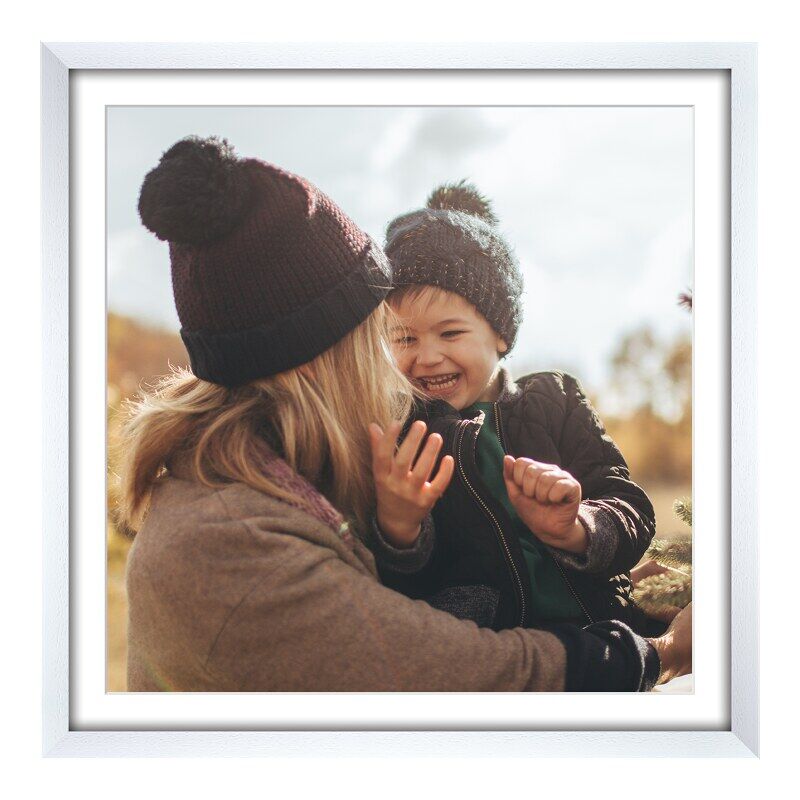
[502, 347]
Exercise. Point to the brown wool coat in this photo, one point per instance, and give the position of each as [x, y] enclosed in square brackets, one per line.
[232, 590]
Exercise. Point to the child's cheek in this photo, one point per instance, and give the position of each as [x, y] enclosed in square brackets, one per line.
[401, 359]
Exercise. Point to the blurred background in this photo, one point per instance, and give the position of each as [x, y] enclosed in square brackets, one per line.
[597, 202]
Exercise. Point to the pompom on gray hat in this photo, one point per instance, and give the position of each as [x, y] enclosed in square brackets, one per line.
[454, 243]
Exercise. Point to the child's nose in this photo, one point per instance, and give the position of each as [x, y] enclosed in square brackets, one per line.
[428, 355]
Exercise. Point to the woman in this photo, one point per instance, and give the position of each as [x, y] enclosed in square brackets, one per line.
[250, 483]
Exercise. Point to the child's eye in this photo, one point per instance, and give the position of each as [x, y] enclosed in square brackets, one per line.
[404, 340]
[452, 334]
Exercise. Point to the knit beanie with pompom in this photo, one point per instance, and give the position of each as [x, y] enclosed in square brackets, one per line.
[454, 243]
[267, 272]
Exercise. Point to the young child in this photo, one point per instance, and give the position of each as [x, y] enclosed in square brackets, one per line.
[541, 522]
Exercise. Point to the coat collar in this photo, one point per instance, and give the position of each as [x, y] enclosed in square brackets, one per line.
[302, 494]
[509, 390]
[439, 409]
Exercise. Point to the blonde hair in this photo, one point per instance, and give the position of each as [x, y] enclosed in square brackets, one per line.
[317, 417]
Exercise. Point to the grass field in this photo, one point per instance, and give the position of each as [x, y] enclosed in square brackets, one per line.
[117, 609]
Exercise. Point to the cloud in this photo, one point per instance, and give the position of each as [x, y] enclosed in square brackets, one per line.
[595, 201]
[139, 278]
[451, 133]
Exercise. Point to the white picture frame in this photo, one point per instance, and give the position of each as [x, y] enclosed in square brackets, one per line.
[59, 60]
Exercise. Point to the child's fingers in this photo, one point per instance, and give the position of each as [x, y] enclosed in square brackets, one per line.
[545, 483]
[563, 491]
[408, 449]
[423, 468]
[530, 479]
[381, 459]
[520, 468]
[383, 444]
[443, 476]
[508, 467]
[514, 492]
[375, 433]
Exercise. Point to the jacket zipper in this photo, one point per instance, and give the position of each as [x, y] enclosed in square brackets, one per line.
[570, 587]
[512, 567]
[560, 568]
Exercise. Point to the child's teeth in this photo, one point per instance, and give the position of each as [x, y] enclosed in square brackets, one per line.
[444, 382]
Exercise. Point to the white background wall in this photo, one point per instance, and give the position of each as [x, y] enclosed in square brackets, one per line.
[767, 22]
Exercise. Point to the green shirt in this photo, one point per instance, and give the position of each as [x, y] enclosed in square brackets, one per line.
[552, 599]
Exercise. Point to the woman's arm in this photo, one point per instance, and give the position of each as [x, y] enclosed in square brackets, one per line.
[317, 623]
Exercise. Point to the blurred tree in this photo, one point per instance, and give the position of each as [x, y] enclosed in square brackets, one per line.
[669, 586]
[137, 354]
[650, 392]
[651, 374]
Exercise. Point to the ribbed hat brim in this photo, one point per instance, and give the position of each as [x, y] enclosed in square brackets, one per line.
[238, 357]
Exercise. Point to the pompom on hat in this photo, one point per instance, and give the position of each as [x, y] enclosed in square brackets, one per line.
[267, 272]
[454, 243]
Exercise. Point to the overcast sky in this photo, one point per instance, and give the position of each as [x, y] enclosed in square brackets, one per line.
[597, 203]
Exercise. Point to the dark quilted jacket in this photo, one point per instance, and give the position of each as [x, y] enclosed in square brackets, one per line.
[476, 568]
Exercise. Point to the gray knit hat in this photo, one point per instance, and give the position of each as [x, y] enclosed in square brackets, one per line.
[454, 244]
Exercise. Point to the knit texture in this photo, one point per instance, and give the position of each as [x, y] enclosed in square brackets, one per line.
[453, 243]
[281, 275]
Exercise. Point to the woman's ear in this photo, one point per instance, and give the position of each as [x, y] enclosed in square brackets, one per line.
[502, 347]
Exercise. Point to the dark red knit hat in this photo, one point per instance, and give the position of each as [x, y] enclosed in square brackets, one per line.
[267, 272]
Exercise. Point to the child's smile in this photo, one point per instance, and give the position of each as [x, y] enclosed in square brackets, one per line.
[446, 347]
[439, 385]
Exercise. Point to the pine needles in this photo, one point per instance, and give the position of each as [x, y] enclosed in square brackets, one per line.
[672, 588]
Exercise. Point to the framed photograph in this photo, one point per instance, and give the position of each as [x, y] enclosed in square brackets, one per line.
[616, 184]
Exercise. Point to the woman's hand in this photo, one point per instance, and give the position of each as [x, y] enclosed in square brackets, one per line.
[646, 569]
[547, 499]
[403, 489]
[674, 646]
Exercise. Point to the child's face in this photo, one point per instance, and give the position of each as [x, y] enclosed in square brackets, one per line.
[446, 346]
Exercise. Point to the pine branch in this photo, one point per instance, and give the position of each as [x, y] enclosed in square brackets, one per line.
[674, 552]
[662, 591]
[683, 509]
[673, 588]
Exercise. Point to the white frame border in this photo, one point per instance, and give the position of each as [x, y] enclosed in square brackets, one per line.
[57, 59]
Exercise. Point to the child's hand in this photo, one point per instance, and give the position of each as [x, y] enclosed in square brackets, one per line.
[405, 494]
[546, 498]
